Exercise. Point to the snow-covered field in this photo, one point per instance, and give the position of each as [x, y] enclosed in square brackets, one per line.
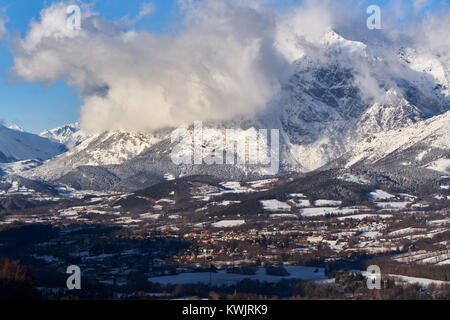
[380, 195]
[283, 215]
[275, 206]
[46, 258]
[297, 195]
[301, 203]
[405, 231]
[233, 187]
[371, 234]
[224, 278]
[425, 257]
[225, 203]
[261, 183]
[228, 223]
[439, 222]
[169, 177]
[393, 205]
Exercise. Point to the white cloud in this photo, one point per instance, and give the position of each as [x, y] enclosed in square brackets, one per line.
[2, 28]
[146, 9]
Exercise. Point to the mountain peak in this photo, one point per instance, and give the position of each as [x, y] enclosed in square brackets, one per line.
[16, 145]
[70, 135]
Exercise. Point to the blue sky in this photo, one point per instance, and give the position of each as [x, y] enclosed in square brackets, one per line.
[36, 107]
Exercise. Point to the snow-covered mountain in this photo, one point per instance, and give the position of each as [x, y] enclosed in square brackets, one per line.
[16, 127]
[345, 104]
[420, 144]
[70, 135]
[16, 145]
[108, 148]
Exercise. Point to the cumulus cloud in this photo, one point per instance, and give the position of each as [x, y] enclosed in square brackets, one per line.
[222, 64]
[229, 59]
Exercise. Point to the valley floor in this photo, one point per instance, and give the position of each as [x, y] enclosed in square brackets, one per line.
[194, 236]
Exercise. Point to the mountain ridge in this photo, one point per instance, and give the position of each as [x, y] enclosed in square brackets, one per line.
[333, 106]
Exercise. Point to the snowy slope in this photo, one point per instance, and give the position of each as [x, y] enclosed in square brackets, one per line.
[440, 165]
[428, 136]
[16, 145]
[19, 166]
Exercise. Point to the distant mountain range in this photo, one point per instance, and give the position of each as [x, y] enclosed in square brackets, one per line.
[377, 110]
